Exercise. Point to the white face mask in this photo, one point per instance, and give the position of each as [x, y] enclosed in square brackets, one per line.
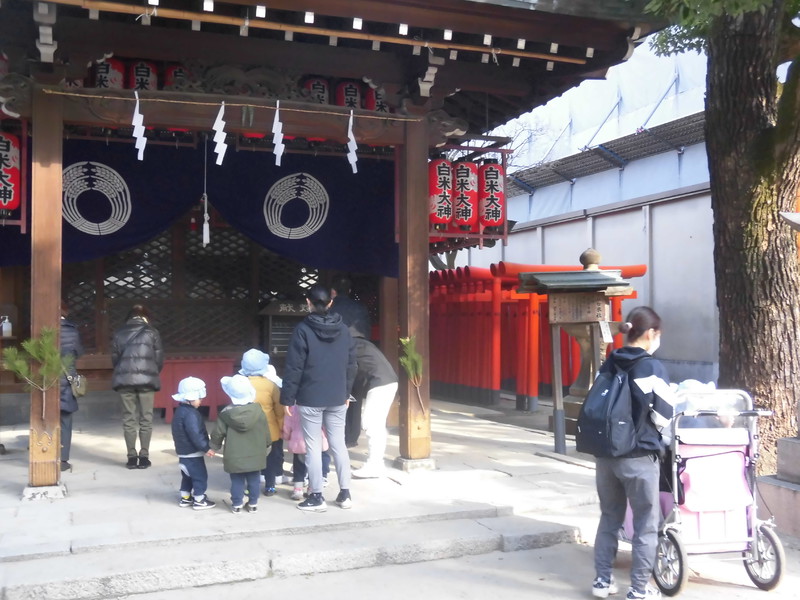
[654, 345]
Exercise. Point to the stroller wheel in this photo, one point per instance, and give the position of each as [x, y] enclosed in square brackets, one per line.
[670, 570]
[765, 558]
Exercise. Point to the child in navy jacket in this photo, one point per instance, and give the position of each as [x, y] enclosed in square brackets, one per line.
[191, 444]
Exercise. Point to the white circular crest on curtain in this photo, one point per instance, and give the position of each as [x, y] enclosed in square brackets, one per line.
[83, 176]
[299, 186]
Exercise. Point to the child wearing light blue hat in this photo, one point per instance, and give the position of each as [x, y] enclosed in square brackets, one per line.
[243, 428]
[262, 375]
[191, 444]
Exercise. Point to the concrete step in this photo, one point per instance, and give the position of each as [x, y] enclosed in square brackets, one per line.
[105, 573]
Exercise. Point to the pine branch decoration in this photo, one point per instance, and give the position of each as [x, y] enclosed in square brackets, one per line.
[412, 363]
[39, 362]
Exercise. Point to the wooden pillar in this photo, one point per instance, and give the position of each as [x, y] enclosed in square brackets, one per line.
[387, 299]
[46, 224]
[415, 425]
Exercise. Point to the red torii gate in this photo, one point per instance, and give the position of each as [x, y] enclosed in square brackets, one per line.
[478, 319]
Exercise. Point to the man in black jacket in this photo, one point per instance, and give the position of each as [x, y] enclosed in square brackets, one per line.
[70, 346]
[377, 381]
[356, 316]
[138, 357]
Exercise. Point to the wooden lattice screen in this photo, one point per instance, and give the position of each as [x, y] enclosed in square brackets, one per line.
[201, 299]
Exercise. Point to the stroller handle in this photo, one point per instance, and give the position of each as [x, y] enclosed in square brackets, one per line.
[756, 412]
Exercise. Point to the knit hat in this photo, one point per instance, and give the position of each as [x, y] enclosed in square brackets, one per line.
[189, 389]
[254, 362]
[239, 389]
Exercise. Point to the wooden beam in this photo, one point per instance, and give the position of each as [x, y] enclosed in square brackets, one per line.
[324, 33]
[46, 225]
[114, 108]
[470, 17]
[415, 424]
[82, 40]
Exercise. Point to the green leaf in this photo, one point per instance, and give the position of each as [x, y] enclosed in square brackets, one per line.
[411, 360]
[39, 362]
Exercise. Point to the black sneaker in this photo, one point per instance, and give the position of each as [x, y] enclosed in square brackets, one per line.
[133, 462]
[65, 466]
[203, 504]
[186, 502]
[314, 503]
[269, 491]
[344, 500]
[144, 462]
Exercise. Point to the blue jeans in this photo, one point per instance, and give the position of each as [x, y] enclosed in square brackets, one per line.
[312, 420]
[274, 464]
[252, 482]
[299, 466]
[194, 476]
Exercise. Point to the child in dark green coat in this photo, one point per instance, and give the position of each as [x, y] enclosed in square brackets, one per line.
[243, 428]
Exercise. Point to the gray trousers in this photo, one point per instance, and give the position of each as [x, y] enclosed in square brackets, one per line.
[312, 419]
[634, 480]
[137, 419]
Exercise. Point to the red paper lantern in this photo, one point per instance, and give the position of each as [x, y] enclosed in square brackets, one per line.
[491, 195]
[374, 100]
[465, 196]
[109, 74]
[318, 90]
[142, 75]
[348, 94]
[175, 77]
[440, 193]
[10, 192]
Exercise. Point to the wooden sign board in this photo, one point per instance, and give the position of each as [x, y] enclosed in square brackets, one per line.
[580, 307]
[285, 308]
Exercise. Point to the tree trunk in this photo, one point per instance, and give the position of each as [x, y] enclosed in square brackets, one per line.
[753, 179]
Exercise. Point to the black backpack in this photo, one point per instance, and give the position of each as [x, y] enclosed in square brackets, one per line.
[606, 427]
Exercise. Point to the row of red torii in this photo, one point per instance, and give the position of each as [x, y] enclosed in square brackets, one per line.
[486, 336]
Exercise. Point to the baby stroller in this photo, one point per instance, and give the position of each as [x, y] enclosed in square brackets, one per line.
[710, 472]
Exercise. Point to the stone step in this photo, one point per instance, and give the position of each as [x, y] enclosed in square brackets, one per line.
[104, 573]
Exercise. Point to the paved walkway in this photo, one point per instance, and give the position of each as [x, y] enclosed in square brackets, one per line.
[119, 533]
[488, 473]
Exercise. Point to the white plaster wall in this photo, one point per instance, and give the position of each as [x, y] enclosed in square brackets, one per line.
[682, 271]
[564, 242]
[525, 248]
[672, 237]
[652, 175]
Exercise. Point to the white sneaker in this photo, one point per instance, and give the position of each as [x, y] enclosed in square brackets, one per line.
[297, 493]
[602, 588]
[369, 472]
[649, 592]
